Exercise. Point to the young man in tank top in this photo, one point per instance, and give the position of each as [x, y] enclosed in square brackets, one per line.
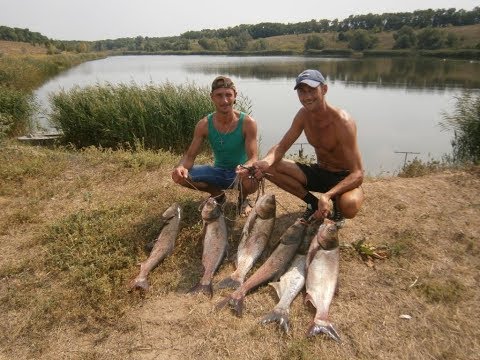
[232, 136]
[338, 172]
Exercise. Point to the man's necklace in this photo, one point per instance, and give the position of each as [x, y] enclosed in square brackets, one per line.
[221, 135]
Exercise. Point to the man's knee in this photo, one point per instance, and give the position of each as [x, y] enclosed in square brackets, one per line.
[350, 203]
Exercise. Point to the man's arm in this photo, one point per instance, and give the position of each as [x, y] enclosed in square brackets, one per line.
[251, 146]
[181, 170]
[277, 151]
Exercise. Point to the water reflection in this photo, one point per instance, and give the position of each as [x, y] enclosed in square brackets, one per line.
[411, 72]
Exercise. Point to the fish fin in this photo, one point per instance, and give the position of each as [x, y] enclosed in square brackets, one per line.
[204, 289]
[138, 284]
[309, 299]
[326, 329]
[228, 282]
[276, 286]
[281, 317]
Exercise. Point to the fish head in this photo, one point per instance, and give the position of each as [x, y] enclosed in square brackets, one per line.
[211, 210]
[327, 235]
[172, 211]
[265, 206]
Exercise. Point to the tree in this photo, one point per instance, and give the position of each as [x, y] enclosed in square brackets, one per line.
[314, 42]
[405, 38]
[361, 40]
[431, 38]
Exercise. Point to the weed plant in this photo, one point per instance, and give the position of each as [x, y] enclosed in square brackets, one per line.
[111, 116]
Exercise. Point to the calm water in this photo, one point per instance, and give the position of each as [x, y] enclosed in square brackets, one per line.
[397, 103]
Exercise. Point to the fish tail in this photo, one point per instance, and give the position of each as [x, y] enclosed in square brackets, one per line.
[326, 328]
[281, 317]
[139, 284]
[235, 304]
[200, 288]
[228, 283]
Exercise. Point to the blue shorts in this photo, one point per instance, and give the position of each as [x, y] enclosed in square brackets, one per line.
[223, 178]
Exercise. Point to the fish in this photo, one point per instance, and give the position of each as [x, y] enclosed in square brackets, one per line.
[289, 286]
[275, 265]
[162, 247]
[255, 235]
[322, 264]
[214, 245]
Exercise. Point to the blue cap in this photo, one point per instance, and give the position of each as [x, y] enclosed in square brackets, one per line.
[312, 78]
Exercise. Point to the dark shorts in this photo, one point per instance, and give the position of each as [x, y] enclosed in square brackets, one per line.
[222, 178]
[321, 180]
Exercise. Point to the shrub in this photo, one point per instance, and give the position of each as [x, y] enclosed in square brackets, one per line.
[315, 42]
[465, 123]
[405, 38]
[361, 40]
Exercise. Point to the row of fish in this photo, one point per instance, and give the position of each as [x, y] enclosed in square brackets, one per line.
[317, 270]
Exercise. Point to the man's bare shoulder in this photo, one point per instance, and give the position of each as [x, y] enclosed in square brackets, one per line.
[202, 126]
[343, 117]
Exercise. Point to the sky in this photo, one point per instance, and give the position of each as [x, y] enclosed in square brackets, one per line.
[111, 19]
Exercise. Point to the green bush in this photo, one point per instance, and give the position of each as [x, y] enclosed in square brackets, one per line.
[315, 42]
[465, 123]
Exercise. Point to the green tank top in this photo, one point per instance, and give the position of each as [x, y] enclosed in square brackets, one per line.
[228, 149]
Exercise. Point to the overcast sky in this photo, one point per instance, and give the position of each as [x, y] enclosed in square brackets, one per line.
[112, 19]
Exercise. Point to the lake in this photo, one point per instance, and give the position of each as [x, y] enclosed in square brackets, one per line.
[396, 102]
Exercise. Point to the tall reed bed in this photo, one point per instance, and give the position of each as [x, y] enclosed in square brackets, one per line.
[155, 116]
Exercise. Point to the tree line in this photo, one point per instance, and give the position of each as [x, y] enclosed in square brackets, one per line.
[375, 22]
[358, 30]
[22, 35]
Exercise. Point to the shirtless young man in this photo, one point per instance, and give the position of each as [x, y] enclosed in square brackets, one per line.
[338, 173]
[233, 138]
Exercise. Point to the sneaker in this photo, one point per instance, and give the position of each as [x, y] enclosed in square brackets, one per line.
[336, 215]
[308, 213]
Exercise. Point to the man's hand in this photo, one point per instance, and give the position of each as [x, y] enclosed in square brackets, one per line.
[260, 169]
[179, 173]
[324, 207]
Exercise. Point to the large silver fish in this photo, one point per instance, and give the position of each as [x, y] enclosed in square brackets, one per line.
[275, 265]
[214, 245]
[255, 235]
[290, 284]
[162, 247]
[322, 274]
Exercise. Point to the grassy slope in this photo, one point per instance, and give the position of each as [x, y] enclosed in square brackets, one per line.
[73, 224]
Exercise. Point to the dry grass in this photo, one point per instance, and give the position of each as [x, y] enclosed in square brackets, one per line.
[73, 226]
[21, 48]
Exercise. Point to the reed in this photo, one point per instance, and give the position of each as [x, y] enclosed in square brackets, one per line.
[125, 115]
[16, 107]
